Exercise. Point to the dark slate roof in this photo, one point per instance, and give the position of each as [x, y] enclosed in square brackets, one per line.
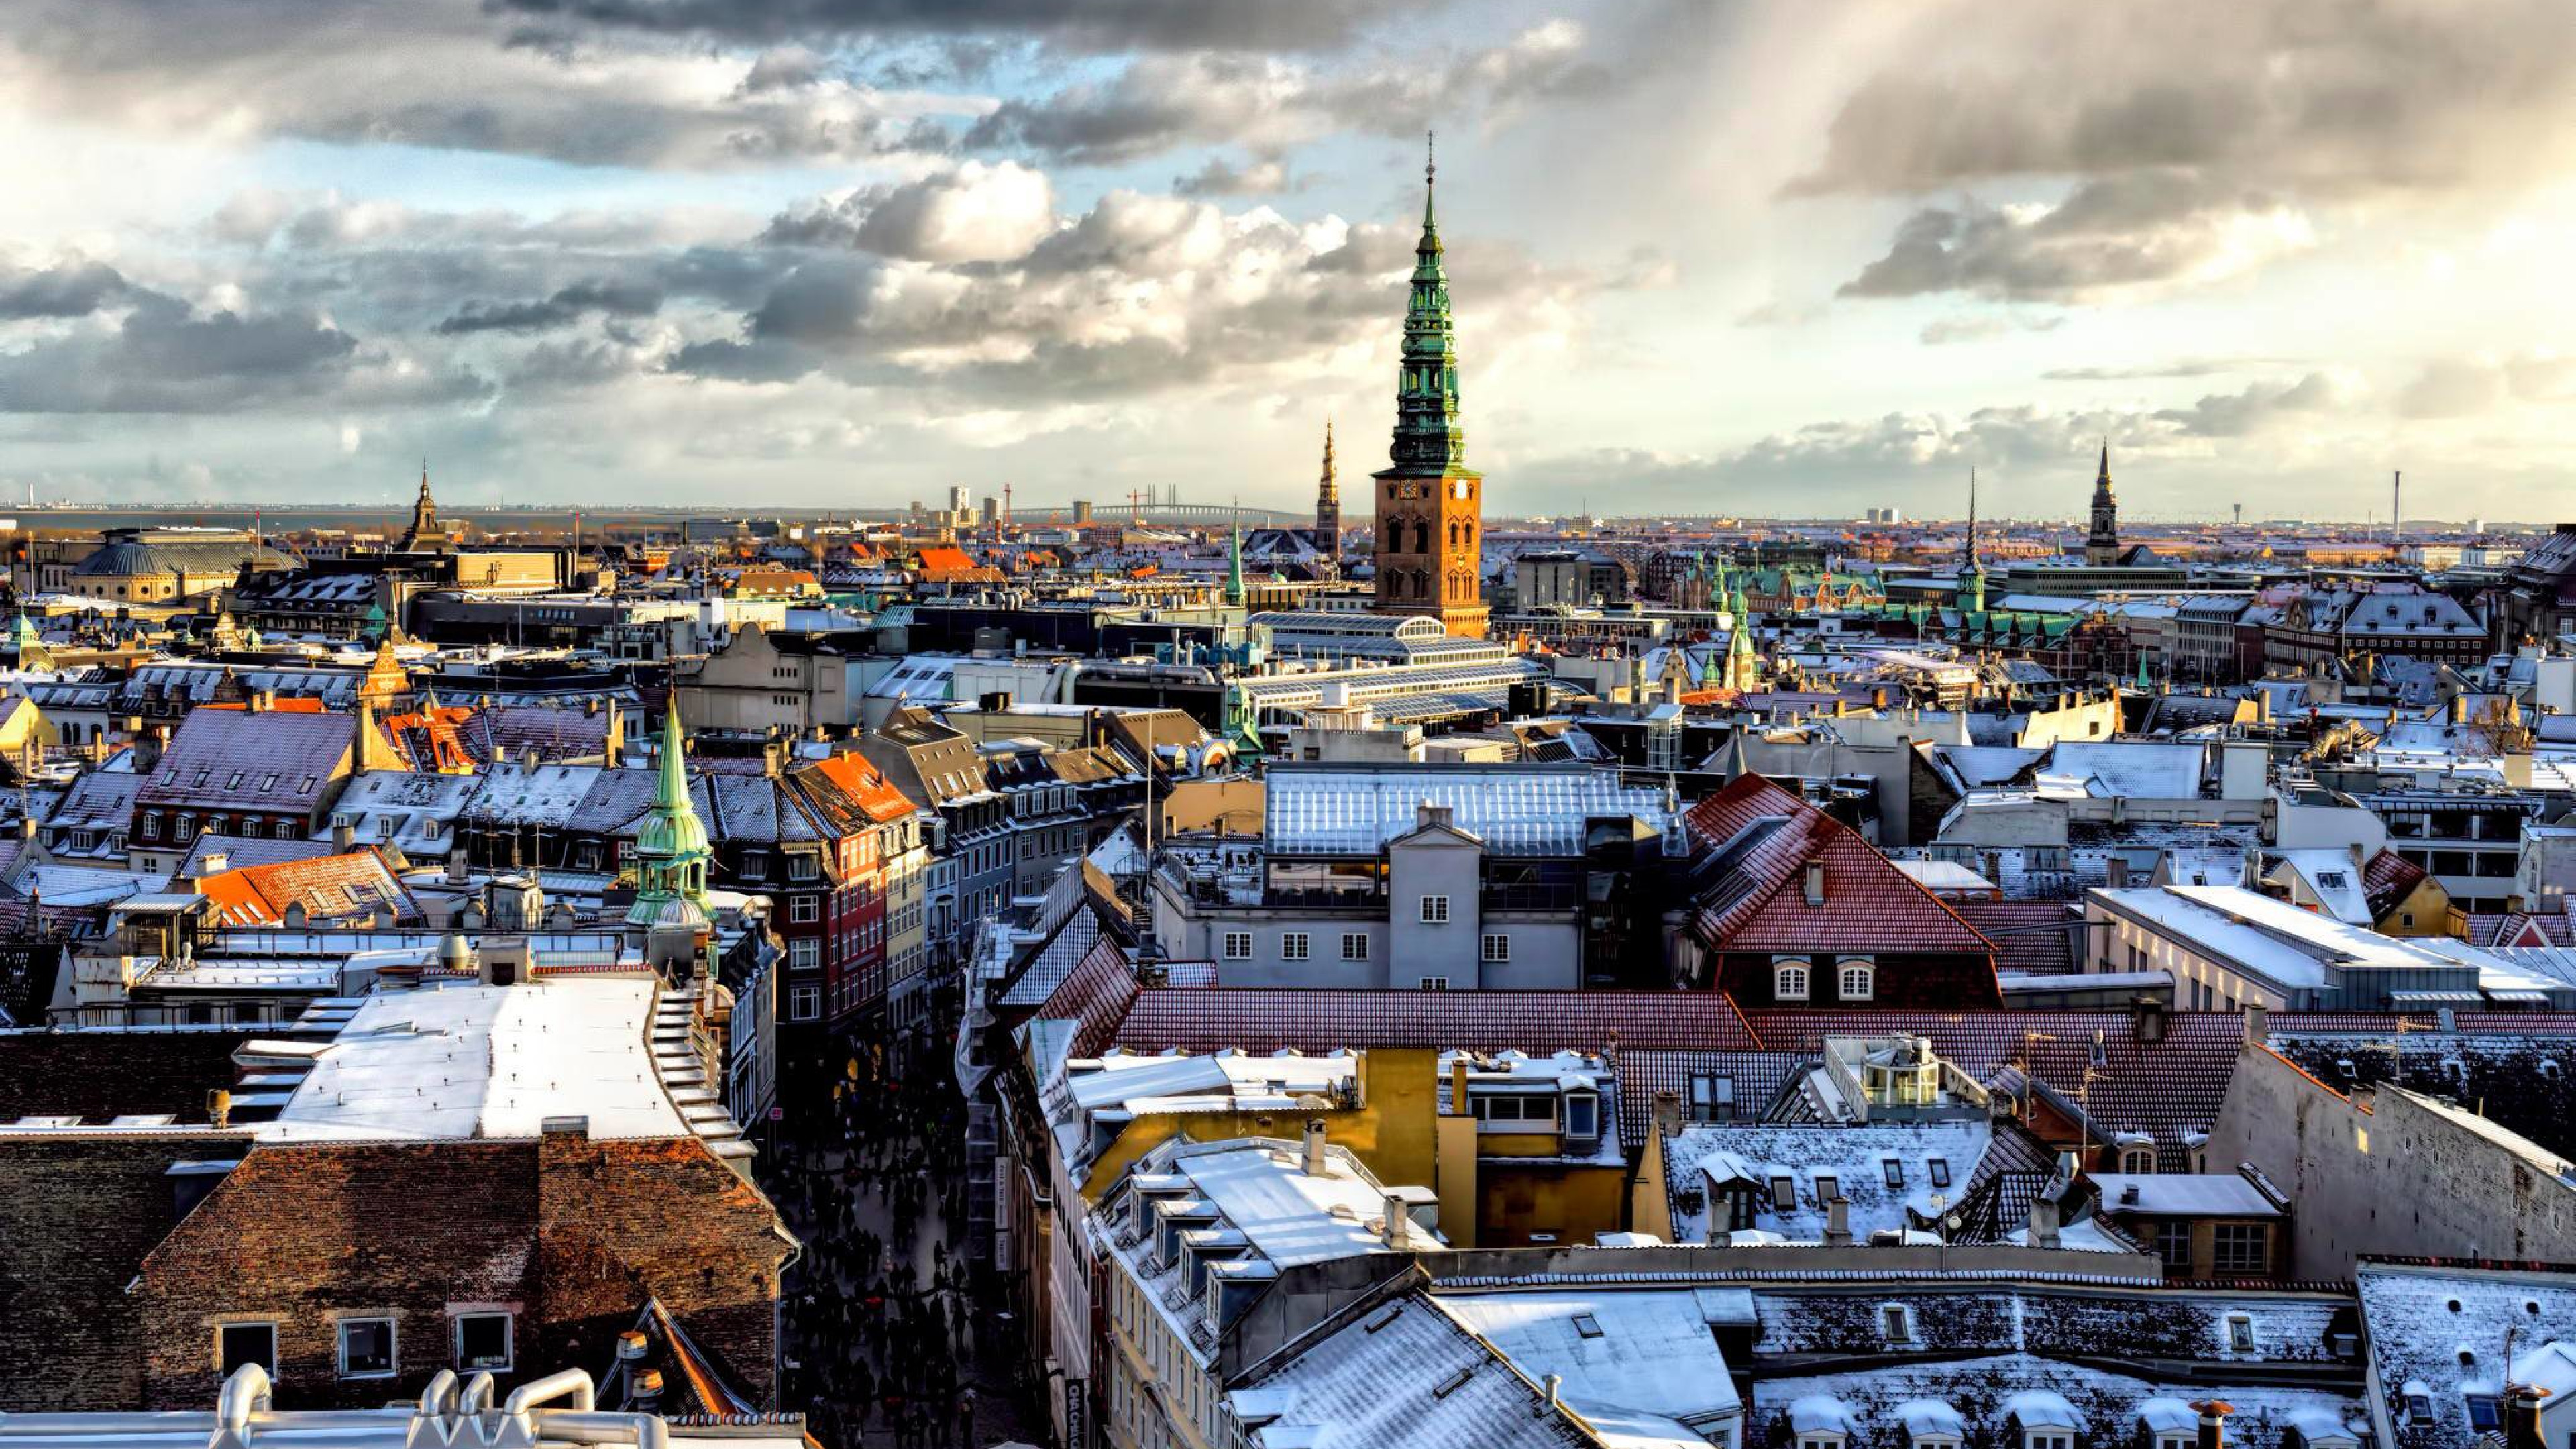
[2032, 938]
[234, 759]
[1212, 1019]
[2166, 1089]
[2421, 1317]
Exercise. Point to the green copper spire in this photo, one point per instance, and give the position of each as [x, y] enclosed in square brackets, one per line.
[1428, 437]
[1234, 561]
[671, 853]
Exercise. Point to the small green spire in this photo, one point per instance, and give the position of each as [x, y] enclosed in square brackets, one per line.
[1234, 560]
[671, 851]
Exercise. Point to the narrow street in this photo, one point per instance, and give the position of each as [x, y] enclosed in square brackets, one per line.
[883, 1341]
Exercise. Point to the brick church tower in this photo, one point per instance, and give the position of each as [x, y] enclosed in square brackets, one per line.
[1430, 503]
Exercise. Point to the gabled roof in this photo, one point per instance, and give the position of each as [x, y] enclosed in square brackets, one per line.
[266, 760]
[2387, 877]
[1754, 842]
[330, 888]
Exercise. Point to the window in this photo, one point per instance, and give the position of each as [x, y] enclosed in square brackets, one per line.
[1498, 947]
[1238, 945]
[483, 1341]
[366, 1348]
[1292, 946]
[1587, 1326]
[804, 1003]
[1433, 983]
[2240, 1248]
[1789, 983]
[1828, 1187]
[804, 867]
[804, 955]
[1582, 1115]
[1435, 910]
[2173, 1244]
[2482, 1413]
[1894, 1172]
[1784, 1193]
[1712, 1099]
[1355, 945]
[1857, 979]
[2036, 1440]
[804, 909]
[1516, 1109]
[2138, 1160]
[240, 1343]
[1896, 1323]
[2240, 1333]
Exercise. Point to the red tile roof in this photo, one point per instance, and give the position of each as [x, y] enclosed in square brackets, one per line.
[1213, 1018]
[2387, 879]
[1753, 898]
[2031, 937]
[2169, 1088]
[329, 888]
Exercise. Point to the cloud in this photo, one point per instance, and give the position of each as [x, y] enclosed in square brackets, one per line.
[73, 288]
[566, 306]
[2197, 140]
[974, 212]
[2178, 367]
[1141, 294]
[1219, 178]
[2127, 232]
[2261, 405]
[1272, 103]
[1082, 24]
[166, 357]
[443, 74]
[2456, 387]
[1942, 332]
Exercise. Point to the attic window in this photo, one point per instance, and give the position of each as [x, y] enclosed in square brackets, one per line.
[1896, 1323]
[1828, 1187]
[1939, 1168]
[2240, 1333]
[1587, 1325]
[1895, 1174]
[1784, 1193]
[1383, 1319]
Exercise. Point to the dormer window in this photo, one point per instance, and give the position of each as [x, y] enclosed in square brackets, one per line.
[1789, 981]
[1896, 1323]
[1582, 1115]
[2138, 1161]
[1859, 980]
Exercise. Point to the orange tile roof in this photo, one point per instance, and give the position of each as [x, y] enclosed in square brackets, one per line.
[329, 888]
[865, 784]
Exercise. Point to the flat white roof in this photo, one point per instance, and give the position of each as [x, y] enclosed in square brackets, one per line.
[472, 1061]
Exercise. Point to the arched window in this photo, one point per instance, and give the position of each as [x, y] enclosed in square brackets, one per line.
[2138, 1160]
[1422, 583]
[1859, 981]
[1789, 981]
[1395, 583]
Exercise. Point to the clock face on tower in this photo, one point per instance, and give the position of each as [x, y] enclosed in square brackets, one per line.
[1408, 490]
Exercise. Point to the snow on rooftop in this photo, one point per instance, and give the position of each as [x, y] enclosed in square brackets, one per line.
[2292, 947]
[473, 1061]
[1636, 1364]
[1286, 1212]
[2193, 1194]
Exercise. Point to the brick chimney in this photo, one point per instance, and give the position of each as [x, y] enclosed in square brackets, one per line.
[2044, 1223]
[1314, 1160]
[2522, 1416]
[1838, 1233]
[2213, 1422]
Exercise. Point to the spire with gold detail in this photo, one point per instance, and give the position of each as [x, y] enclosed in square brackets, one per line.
[2102, 544]
[425, 530]
[1328, 503]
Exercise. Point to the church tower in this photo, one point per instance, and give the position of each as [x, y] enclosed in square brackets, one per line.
[2102, 545]
[671, 851]
[1430, 503]
[426, 532]
[1328, 504]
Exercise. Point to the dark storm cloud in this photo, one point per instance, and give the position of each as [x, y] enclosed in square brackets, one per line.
[1088, 24]
[567, 306]
[166, 357]
[67, 289]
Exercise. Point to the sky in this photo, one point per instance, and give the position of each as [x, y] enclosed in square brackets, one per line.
[1776, 258]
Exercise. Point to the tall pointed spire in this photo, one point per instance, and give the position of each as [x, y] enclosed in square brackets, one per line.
[1234, 558]
[1972, 575]
[2102, 543]
[671, 852]
[1328, 503]
[1430, 523]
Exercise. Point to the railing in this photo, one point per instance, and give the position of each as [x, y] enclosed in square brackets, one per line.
[1529, 897]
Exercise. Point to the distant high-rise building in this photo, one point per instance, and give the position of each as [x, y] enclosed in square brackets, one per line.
[960, 499]
[2102, 545]
[1430, 503]
[1328, 503]
[1081, 511]
[992, 512]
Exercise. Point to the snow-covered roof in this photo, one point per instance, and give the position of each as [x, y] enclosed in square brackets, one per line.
[1929, 1158]
[2272, 939]
[2187, 1194]
[2129, 769]
[472, 1061]
[1514, 809]
[1642, 1367]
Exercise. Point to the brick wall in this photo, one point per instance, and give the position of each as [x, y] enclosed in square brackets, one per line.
[569, 1234]
[77, 1216]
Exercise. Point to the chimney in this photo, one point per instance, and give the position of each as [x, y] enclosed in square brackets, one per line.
[1815, 882]
[344, 834]
[2459, 709]
[1458, 1103]
[632, 1345]
[644, 1391]
[219, 1108]
[1553, 1383]
[1314, 1158]
[1838, 1233]
[2258, 1023]
[2147, 1020]
[2522, 1416]
[1392, 1231]
[2213, 1423]
[2128, 1194]
[2044, 1222]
